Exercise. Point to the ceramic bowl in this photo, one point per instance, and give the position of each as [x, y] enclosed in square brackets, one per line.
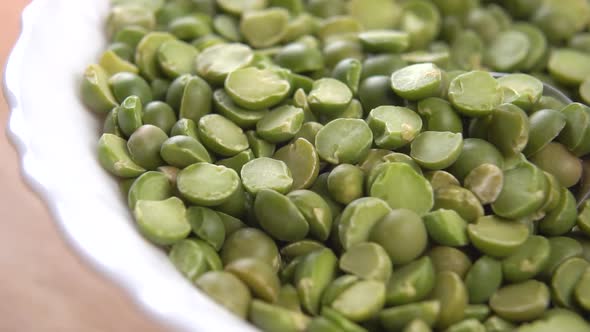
[56, 138]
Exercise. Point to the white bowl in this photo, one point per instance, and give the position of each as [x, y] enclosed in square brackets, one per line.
[56, 138]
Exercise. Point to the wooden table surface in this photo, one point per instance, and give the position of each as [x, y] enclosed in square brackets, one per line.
[44, 286]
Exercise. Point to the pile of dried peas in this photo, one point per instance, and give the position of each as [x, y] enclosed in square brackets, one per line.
[332, 165]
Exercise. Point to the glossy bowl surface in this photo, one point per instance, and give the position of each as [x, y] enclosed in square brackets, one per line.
[56, 138]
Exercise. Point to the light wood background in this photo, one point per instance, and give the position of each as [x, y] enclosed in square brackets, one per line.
[44, 286]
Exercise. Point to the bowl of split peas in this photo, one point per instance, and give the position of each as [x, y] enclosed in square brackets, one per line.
[347, 165]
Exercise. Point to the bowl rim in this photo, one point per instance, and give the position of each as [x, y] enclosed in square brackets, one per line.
[33, 177]
[17, 134]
